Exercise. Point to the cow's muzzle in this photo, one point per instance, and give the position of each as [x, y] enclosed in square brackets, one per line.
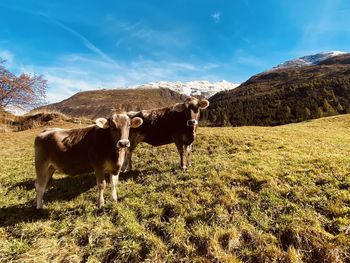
[192, 123]
[123, 143]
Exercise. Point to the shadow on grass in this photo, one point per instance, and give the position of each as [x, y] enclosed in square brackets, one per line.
[10, 216]
[141, 175]
[130, 175]
[64, 189]
[69, 187]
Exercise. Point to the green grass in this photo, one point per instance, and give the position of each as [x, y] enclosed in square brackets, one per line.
[254, 194]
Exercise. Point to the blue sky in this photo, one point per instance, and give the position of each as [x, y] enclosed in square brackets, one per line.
[80, 45]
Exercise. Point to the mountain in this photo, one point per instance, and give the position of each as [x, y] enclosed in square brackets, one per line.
[198, 88]
[285, 94]
[99, 103]
[96, 103]
[310, 60]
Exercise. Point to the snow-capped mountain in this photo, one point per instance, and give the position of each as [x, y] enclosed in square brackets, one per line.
[310, 60]
[202, 88]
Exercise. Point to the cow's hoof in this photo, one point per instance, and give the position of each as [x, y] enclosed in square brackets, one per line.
[39, 208]
[101, 204]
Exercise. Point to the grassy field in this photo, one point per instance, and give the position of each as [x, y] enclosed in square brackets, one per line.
[254, 194]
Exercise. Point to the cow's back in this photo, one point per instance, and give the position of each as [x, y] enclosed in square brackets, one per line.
[54, 147]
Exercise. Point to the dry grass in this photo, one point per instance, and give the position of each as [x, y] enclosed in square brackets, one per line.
[254, 194]
[6, 119]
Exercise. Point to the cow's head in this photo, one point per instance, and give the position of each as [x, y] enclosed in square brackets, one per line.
[191, 107]
[119, 125]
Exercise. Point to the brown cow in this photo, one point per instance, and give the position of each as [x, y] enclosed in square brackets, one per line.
[176, 124]
[99, 148]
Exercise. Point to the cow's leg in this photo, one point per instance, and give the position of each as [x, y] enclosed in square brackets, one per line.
[127, 161]
[43, 175]
[49, 183]
[180, 148]
[114, 182]
[101, 184]
[127, 166]
[188, 154]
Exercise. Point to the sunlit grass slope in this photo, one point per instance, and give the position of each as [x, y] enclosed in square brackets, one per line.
[254, 194]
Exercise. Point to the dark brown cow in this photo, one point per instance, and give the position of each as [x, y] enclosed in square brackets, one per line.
[99, 148]
[176, 124]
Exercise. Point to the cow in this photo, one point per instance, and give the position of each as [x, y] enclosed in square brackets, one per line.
[177, 123]
[98, 148]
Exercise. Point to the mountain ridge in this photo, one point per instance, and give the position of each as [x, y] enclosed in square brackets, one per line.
[309, 60]
[196, 88]
[285, 95]
[100, 103]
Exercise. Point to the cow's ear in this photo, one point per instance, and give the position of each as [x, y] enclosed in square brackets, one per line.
[102, 123]
[136, 122]
[179, 107]
[203, 104]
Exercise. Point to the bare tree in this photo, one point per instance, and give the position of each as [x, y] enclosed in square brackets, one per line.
[23, 92]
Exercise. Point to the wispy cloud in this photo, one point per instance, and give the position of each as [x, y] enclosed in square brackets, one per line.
[138, 34]
[159, 56]
[243, 58]
[321, 29]
[84, 40]
[216, 17]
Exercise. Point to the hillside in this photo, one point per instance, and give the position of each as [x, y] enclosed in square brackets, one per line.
[254, 194]
[14, 123]
[99, 103]
[286, 94]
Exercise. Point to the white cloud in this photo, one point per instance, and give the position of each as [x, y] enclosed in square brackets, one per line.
[72, 73]
[185, 66]
[69, 79]
[216, 17]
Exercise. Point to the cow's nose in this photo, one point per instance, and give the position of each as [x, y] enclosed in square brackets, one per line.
[192, 123]
[123, 143]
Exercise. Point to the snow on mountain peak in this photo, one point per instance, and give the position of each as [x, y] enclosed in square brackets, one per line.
[201, 88]
[308, 60]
